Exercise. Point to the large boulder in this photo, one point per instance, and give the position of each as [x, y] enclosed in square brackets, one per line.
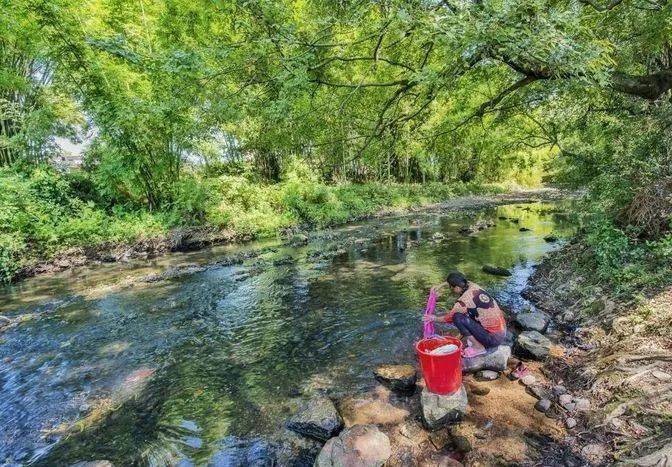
[495, 360]
[532, 344]
[318, 419]
[359, 446]
[532, 321]
[399, 378]
[441, 410]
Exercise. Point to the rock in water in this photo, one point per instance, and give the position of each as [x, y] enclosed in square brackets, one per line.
[359, 446]
[532, 321]
[371, 408]
[551, 238]
[496, 270]
[318, 419]
[524, 229]
[399, 378]
[532, 344]
[494, 360]
[440, 410]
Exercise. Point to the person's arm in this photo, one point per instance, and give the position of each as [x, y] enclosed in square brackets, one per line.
[435, 318]
[459, 307]
[438, 288]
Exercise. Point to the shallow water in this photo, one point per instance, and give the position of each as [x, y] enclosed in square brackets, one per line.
[170, 372]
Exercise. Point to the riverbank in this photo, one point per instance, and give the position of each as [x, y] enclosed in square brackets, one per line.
[52, 221]
[618, 353]
[365, 202]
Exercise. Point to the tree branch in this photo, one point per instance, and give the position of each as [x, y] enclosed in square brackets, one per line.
[401, 82]
[650, 86]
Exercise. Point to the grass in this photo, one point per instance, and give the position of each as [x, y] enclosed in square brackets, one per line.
[44, 212]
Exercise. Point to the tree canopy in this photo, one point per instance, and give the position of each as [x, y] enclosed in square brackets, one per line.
[358, 90]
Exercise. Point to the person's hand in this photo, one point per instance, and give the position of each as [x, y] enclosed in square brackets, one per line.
[428, 318]
[437, 288]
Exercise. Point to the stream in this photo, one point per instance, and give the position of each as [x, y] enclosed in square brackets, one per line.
[180, 359]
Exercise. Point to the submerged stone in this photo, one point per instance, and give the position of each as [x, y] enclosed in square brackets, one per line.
[359, 446]
[371, 408]
[441, 410]
[532, 344]
[318, 418]
[98, 463]
[496, 270]
[399, 378]
[495, 360]
[241, 452]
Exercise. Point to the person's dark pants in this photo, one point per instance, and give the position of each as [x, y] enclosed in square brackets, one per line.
[470, 327]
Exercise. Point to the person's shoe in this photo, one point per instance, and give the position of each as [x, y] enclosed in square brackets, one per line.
[471, 352]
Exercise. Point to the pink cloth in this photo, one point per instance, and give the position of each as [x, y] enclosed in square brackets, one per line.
[428, 330]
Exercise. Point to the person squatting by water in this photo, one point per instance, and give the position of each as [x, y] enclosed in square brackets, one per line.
[476, 315]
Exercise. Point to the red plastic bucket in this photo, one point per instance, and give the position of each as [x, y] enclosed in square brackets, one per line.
[442, 373]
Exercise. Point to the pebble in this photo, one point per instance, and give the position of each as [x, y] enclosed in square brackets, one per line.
[661, 375]
[487, 375]
[439, 439]
[543, 405]
[565, 399]
[570, 406]
[570, 422]
[461, 443]
[538, 391]
[480, 390]
[594, 453]
[559, 389]
[528, 380]
[582, 404]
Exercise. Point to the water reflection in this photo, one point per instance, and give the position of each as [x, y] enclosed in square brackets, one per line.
[168, 372]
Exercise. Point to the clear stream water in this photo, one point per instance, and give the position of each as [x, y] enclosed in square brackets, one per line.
[169, 372]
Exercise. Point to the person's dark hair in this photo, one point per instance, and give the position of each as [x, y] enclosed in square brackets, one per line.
[457, 279]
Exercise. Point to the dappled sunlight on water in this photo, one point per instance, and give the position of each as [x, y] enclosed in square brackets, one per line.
[193, 360]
